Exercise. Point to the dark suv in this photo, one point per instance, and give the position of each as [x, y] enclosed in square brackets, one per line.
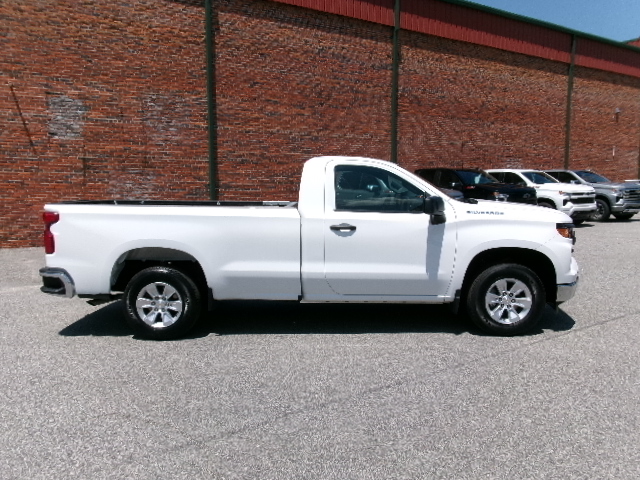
[476, 183]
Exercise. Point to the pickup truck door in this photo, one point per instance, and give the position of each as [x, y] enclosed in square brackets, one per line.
[377, 239]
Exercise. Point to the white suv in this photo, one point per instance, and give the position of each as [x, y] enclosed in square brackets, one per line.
[577, 201]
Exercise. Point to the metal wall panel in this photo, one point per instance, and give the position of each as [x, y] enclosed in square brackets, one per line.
[482, 27]
[603, 56]
[476, 26]
[377, 11]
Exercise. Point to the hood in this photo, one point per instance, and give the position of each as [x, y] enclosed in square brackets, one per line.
[505, 187]
[616, 186]
[565, 187]
[488, 209]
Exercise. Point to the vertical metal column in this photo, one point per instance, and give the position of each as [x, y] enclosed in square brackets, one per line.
[569, 113]
[395, 73]
[638, 173]
[211, 99]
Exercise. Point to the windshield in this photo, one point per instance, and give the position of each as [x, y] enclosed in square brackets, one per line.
[539, 177]
[591, 177]
[475, 178]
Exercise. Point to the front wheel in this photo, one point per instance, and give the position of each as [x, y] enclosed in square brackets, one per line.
[506, 299]
[603, 212]
[162, 303]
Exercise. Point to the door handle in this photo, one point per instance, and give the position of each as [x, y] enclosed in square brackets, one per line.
[343, 227]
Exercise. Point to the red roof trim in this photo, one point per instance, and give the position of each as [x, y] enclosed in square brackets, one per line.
[461, 23]
[377, 11]
[456, 20]
[607, 57]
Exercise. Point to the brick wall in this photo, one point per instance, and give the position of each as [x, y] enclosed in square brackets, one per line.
[99, 100]
[606, 124]
[108, 100]
[469, 106]
[293, 84]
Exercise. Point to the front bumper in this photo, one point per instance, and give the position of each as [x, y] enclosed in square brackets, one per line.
[582, 215]
[566, 291]
[56, 281]
[625, 208]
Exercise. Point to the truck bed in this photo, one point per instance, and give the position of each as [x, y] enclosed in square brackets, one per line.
[186, 203]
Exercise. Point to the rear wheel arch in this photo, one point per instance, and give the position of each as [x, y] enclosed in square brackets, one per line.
[134, 261]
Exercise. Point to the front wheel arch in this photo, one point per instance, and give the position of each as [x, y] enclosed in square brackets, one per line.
[536, 261]
[547, 204]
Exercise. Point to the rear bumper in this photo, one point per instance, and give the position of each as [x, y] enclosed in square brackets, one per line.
[566, 291]
[56, 281]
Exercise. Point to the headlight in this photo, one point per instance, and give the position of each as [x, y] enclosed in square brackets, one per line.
[566, 230]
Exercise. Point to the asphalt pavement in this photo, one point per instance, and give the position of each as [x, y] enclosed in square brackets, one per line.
[284, 391]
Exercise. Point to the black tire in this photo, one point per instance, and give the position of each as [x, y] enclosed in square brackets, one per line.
[623, 216]
[546, 204]
[603, 212]
[506, 299]
[162, 303]
[578, 222]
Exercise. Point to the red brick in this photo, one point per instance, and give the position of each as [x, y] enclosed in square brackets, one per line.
[103, 100]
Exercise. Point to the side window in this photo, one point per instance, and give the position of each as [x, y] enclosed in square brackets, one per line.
[498, 176]
[448, 179]
[429, 175]
[563, 177]
[513, 178]
[370, 189]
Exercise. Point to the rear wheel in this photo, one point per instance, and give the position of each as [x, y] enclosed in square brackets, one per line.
[162, 303]
[603, 212]
[506, 299]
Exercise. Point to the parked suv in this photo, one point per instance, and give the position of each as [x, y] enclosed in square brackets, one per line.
[475, 183]
[620, 199]
[577, 201]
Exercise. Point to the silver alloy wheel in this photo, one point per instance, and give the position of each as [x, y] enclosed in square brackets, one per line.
[159, 305]
[508, 300]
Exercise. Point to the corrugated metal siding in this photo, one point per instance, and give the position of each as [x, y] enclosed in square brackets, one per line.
[603, 56]
[474, 26]
[377, 11]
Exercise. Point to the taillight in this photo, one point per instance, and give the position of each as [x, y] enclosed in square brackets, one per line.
[49, 219]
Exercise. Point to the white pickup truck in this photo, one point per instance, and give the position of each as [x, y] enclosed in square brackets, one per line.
[363, 230]
[577, 201]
